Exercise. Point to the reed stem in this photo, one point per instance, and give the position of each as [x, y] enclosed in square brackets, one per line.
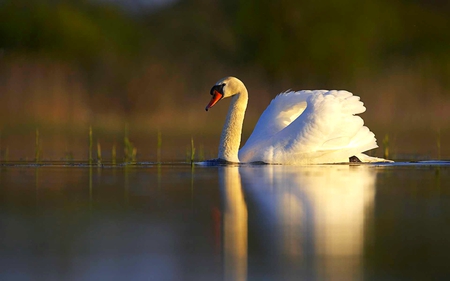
[113, 154]
[192, 150]
[99, 153]
[90, 145]
[386, 146]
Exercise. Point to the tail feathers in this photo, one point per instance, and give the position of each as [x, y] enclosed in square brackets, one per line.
[370, 159]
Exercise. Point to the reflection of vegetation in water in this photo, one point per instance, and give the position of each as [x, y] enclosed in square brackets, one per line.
[90, 187]
[36, 183]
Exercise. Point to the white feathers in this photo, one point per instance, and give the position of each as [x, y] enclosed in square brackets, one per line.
[306, 127]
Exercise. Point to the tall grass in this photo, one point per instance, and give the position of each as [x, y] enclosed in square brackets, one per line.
[113, 154]
[386, 146]
[90, 145]
[99, 154]
[129, 149]
[192, 151]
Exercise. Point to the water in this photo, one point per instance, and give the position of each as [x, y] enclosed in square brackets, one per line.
[264, 222]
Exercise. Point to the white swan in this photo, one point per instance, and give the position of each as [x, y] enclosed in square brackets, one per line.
[304, 127]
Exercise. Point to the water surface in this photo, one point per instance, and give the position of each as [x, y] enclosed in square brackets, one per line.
[248, 222]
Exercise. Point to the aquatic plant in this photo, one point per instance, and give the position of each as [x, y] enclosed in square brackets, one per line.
[192, 151]
[90, 145]
[386, 146]
[113, 154]
[99, 153]
[129, 149]
[68, 156]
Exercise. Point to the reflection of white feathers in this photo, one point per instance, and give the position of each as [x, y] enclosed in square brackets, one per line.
[303, 127]
[316, 211]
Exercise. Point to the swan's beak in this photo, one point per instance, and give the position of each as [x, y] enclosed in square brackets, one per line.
[216, 96]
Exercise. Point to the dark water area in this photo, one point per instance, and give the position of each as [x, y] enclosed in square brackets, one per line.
[248, 222]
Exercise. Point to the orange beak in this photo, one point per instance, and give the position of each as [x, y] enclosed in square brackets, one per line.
[215, 98]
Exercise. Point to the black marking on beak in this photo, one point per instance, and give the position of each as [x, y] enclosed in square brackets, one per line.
[218, 88]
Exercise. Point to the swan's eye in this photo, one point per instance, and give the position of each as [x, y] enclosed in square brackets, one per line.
[218, 88]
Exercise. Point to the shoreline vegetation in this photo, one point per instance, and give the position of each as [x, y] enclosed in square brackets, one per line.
[68, 65]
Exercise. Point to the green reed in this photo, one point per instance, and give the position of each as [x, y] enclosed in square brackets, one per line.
[90, 145]
[192, 151]
[113, 154]
[99, 153]
[129, 149]
[386, 146]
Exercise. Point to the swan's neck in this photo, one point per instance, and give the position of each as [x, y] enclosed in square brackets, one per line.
[232, 130]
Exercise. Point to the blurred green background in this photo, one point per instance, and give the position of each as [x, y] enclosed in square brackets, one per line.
[149, 65]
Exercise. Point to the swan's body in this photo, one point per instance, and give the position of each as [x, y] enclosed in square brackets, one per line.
[304, 127]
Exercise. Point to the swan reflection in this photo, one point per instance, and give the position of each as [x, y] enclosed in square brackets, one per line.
[306, 220]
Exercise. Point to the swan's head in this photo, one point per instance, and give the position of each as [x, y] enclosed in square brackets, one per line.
[224, 88]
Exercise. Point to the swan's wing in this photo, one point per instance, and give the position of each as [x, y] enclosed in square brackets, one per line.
[326, 131]
[281, 112]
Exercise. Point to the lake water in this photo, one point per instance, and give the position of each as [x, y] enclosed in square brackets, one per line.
[248, 222]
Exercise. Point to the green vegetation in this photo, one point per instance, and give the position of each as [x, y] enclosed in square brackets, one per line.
[129, 149]
[192, 152]
[113, 154]
[386, 146]
[99, 154]
[80, 63]
[90, 145]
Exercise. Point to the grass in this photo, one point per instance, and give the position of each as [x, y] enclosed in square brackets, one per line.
[386, 146]
[99, 153]
[113, 154]
[192, 151]
[90, 145]
[129, 149]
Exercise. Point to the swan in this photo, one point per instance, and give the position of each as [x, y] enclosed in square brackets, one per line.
[303, 127]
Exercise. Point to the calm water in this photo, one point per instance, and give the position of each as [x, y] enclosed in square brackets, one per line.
[174, 222]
